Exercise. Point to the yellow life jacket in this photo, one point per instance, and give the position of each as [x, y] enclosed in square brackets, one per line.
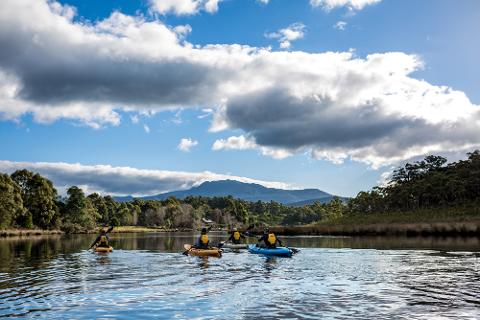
[204, 239]
[103, 240]
[236, 235]
[272, 239]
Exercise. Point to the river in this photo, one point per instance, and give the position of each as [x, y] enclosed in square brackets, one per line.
[146, 276]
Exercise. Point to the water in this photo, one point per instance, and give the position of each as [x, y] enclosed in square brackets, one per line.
[331, 278]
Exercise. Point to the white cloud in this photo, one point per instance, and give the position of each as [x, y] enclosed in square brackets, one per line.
[333, 105]
[186, 144]
[244, 143]
[263, 1]
[285, 36]
[184, 7]
[107, 179]
[340, 25]
[146, 128]
[135, 119]
[350, 4]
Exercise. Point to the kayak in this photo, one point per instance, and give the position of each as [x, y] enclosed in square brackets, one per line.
[103, 249]
[210, 252]
[278, 251]
[233, 245]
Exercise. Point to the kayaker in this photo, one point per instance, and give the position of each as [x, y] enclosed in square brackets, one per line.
[102, 239]
[270, 239]
[235, 236]
[203, 242]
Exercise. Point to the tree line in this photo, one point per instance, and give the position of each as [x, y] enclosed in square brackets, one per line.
[426, 184]
[28, 200]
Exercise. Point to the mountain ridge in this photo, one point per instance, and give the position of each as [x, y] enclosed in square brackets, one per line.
[241, 190]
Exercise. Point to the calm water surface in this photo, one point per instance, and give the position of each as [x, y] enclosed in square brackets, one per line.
[147, 277]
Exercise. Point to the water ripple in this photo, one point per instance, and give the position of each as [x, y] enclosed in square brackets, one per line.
[316, 283]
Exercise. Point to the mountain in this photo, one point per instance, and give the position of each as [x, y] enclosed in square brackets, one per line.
[245, 191]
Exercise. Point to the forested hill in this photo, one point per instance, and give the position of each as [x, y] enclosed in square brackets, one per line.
[245, 191]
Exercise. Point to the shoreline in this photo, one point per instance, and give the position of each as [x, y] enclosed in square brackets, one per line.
[440, 229]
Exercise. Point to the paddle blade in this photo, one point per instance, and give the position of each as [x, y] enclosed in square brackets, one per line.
[187, 246]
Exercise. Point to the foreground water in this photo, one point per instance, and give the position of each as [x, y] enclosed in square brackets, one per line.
[147, 277]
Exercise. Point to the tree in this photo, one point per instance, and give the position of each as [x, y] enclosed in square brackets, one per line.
[79, 211]
[11, 203]
[38, 195]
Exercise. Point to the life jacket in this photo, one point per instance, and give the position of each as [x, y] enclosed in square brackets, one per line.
[204, 239]
[103, 240]
[272, 239]
[236, 235]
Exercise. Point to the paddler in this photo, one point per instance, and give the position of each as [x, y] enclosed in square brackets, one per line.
[102, 239]
[235, 236]
[270, 239]
[203, 242]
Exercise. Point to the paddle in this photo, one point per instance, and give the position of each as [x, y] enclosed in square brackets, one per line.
[187, 247]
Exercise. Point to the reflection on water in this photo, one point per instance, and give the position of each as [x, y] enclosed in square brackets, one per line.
[147, 277]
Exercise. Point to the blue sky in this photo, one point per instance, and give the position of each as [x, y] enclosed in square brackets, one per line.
[401, 82]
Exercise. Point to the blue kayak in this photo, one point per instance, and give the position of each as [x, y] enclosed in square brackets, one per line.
[278, 251]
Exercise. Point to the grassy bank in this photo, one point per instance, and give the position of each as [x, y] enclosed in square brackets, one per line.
[27, 232]
[132, 229]
[121, 229]
[459, 221]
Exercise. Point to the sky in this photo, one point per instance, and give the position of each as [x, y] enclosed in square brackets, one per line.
[142, 97]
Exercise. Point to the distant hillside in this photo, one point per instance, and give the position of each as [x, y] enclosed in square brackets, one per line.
[245, 191]
[312, 201]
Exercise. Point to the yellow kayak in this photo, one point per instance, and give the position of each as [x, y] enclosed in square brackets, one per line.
[210, 252]
[103, 249]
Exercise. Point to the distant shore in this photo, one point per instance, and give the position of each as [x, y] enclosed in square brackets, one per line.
[122, 229]
[372, 225]
[380, 229]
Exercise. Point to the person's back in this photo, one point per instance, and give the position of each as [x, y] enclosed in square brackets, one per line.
[270, 239]
[236, 236]
[203, 242]
[103, 241]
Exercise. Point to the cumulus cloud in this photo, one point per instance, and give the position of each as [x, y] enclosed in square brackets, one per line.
[244, 143]
[350, 4]
[186, 144]
[340, 25]
[184, 7]
[107, 179]
[332, 105]
[285, 36]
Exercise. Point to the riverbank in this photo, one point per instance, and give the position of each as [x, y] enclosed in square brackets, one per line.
[27, 232]
[438, 222]
[121, 229]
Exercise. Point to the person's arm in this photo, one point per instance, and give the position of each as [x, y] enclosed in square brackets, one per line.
[95, 242]
[260, 239]
[109, 229]
[242, 236]
[279, 242]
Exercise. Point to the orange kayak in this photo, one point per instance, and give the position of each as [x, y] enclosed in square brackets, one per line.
[103, 249]
[210, 252]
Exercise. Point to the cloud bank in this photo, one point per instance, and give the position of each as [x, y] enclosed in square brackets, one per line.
[350, 4]
[184, 7]
[332, 105]
[106, 179]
